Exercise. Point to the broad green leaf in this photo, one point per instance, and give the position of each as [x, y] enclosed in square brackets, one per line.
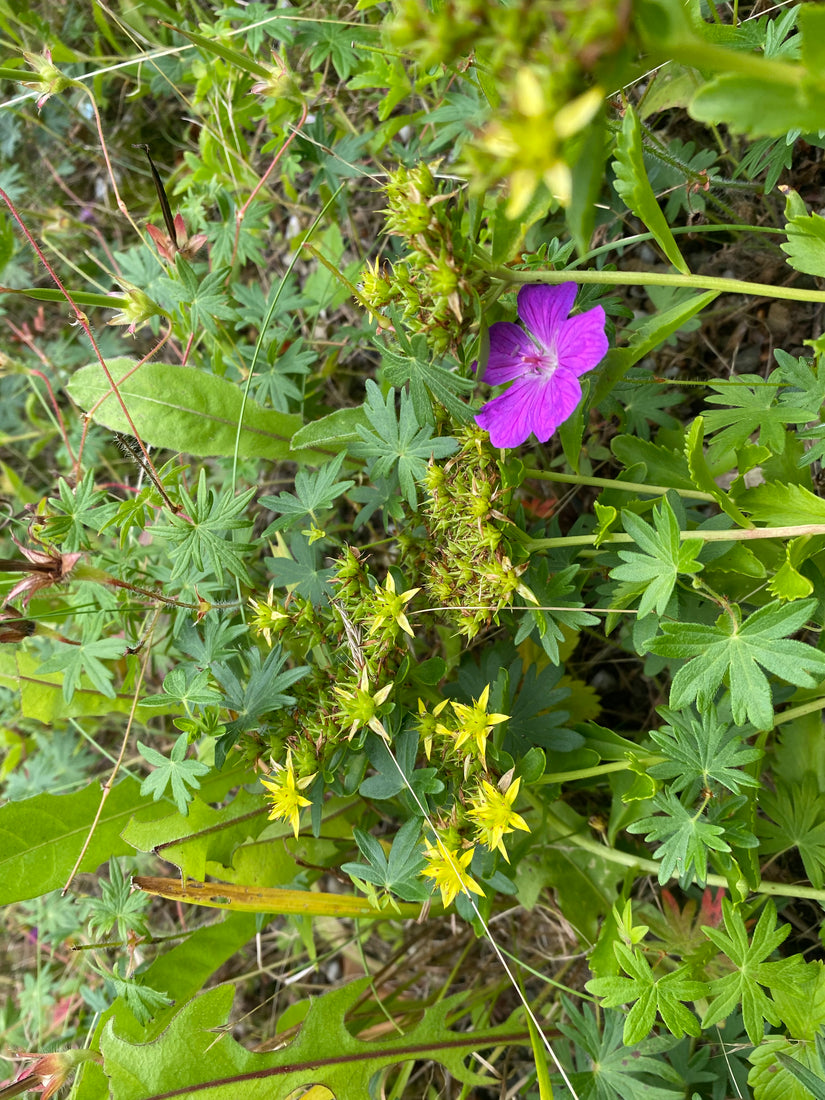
[805, 246]
[187, 410]
[42, 698]
[590, 150]
[648, 336]
[508, 233]
[780, 1070]
[663, 466]
[42, 837]
[196, 1054]
[788, 583]
[181, 971]
[634, 188]
[782, 505]
[756, 106]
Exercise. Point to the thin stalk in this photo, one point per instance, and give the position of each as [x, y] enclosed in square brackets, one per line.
[623, 486]
[640, 238]
[653, 278]
[652, 867]
[736, 535]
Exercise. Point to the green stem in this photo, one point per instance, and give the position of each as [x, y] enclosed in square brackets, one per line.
[640, 238]
[736, 535]
[651, 867]
[652, 278]
[597, 771]
[623, 486]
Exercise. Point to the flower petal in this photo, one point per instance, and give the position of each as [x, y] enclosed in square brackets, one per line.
[554, 403]
[582, 343]
[508, 346]
[544, 309]
[509, 417]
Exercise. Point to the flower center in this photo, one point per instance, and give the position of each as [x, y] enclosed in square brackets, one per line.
[544, 361]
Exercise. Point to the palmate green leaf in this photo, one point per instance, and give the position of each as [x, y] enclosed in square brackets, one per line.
[398, 443]
[429, 383]
[737, 653]
[557, 614]
[743, 987]
[118, 906]
[753, 410]
[86, 659]
[74, 512]
[686, 838]
[41, 837]
[188, 410]
[649, 996]
[701, 750]
[260, 691]
[187, 1059]
[205, 301]
[143, 1001]
[172, 770]
[201, 544]
[634, 188]
[607, 1069]
[663, 558]
[795, 818]
[786, 1070]
[314, 493]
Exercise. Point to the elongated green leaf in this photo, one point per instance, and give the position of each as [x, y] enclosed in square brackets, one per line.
[187, 410]
[332, 432]
[654, 332]
[41, 837]
[226, 53]
[634, 188]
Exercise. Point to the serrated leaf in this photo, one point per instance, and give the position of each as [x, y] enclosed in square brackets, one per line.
[663, 557]
[187, 1057]
[634, 188]
[745, 985]
[737, 654]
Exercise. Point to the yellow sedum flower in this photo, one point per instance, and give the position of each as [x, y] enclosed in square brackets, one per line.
[285, 793]
[390, 605]
[474, 724]
[269, 616]
[449, 869]
[493, 815]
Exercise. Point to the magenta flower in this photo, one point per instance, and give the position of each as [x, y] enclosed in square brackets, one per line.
[544, 363]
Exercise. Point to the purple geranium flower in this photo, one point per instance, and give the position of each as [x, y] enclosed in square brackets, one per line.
[544, 363]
